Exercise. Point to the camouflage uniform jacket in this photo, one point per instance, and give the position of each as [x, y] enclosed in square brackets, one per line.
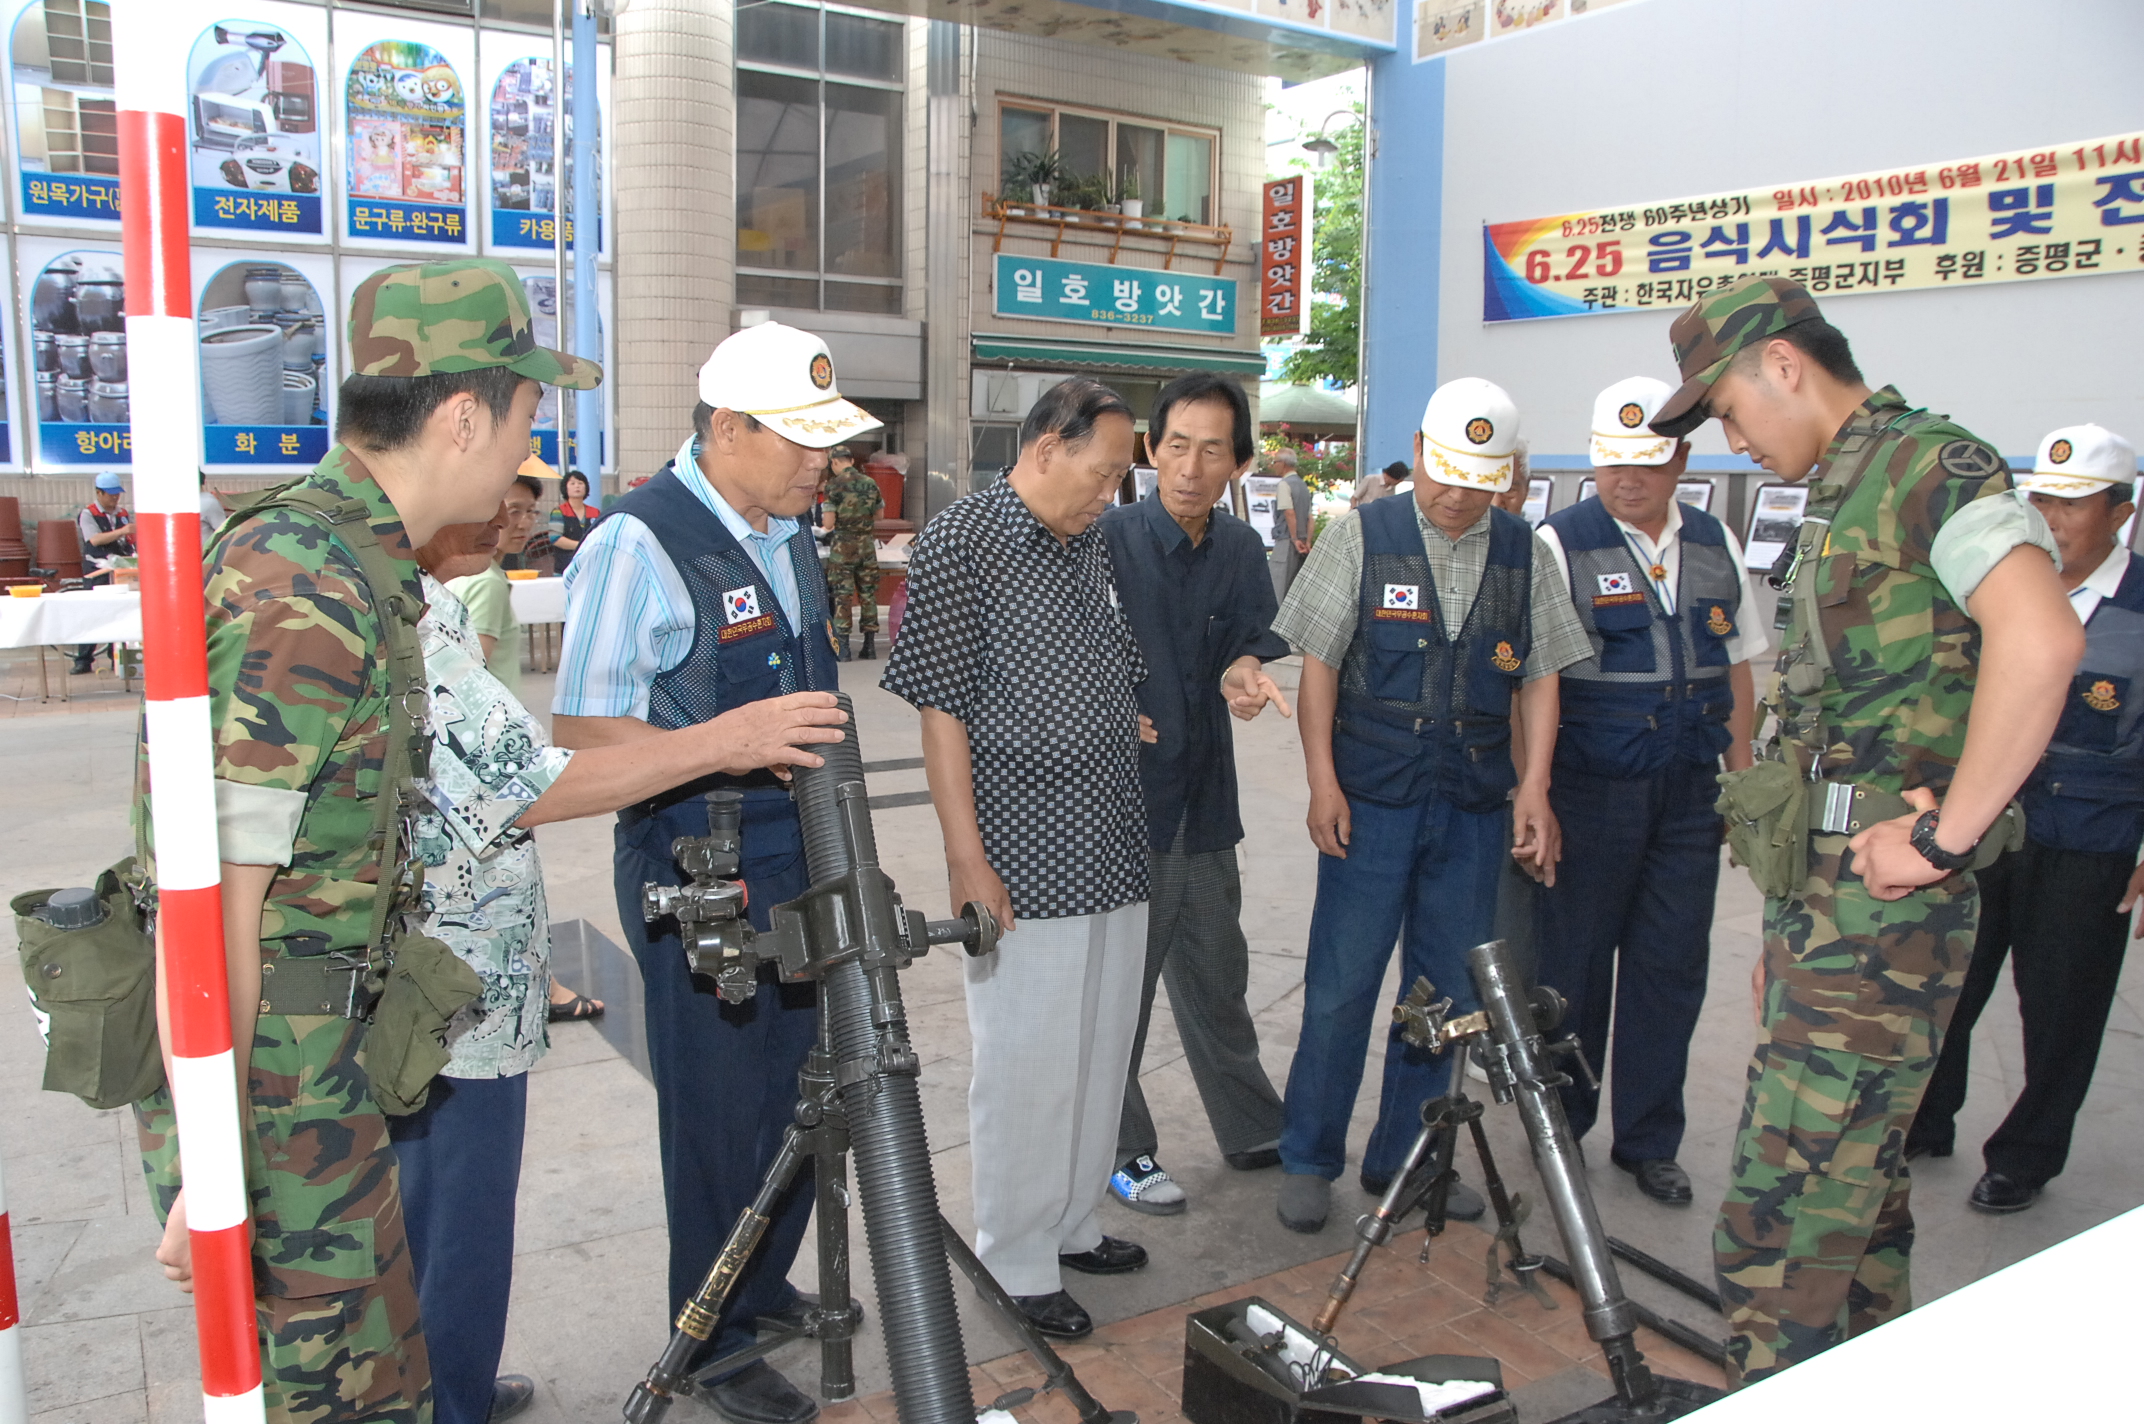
[1914, 529]
[298, 683]
[856, 502]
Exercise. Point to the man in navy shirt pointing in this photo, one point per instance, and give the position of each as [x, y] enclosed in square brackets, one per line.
[1196, 591]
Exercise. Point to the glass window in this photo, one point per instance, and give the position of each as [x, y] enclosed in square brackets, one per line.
[777, 171]
[1187, 184]
[1020, 131]
[1083, 145]
[757, 291]
[863, 297]
[863, 180]
[1139, 156]
[787, 35]
[867, 48]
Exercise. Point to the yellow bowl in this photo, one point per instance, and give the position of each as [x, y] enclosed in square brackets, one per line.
[523, 573]
[26, 590]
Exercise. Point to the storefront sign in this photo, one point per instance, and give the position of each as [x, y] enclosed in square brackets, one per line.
[66, 115]
[1045, 289]
[531, 166]
[254, 129]
[264, 348]
[1284, 258]
[406, 145]
[2072, 211]
[78, 340]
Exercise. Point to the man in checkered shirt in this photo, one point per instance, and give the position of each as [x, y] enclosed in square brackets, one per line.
[1015, 651]
[1424, 623]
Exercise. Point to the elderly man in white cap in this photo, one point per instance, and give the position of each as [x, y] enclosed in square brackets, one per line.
[1423, 622]
[697, 594]
[2058, 906]
[1665, 693]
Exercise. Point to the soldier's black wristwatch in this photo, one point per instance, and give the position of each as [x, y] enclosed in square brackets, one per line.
[1924, 841]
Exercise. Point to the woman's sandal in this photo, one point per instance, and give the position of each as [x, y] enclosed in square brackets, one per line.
[578, 1007]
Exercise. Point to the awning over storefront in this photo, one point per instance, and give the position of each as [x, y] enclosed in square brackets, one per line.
[1112, 356]
[1306, 407]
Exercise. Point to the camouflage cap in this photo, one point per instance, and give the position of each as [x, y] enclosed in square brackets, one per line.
[436, 318]
[1708, 335]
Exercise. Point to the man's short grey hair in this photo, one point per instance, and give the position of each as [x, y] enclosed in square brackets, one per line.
[1282, 456]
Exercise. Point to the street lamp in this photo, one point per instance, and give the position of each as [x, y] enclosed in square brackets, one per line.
[1322, 146]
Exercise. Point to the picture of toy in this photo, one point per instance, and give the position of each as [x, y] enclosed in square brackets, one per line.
[406, 124]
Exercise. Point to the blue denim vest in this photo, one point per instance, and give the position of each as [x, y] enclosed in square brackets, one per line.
[1656, 687]
[2087, 793]
[1423, 711]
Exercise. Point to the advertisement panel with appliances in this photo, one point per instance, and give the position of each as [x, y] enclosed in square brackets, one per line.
[254, 124]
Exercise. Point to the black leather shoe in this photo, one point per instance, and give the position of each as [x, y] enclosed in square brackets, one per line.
[1255, 1159]
[1461, 1202]
[1660, 1178]
[1113, 1257]
[795, 1317]
[510, 1394]
[870, 648]
[2000, 1195]
[1056, 1315]
[757, 1394]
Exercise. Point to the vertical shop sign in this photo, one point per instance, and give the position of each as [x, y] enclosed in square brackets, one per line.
[66, 119]
[78, 341]
[406, 132]
[1284, 258]
[264, 346]
[531, 156]
[253, 125]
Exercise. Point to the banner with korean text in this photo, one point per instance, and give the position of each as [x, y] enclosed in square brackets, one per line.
[2076, 210]
[1045, 289]
[1284, 257]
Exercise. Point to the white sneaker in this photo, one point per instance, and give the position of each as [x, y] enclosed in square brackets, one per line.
[1141, 1185]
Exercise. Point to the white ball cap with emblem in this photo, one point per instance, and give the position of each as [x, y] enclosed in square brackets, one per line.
[2078, 459]
[784, 378]
[1469, 430]
[1622, 417]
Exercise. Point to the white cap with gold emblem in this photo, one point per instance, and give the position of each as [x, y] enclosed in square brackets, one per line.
[1469, 431]
[784, 378]
[2078, 459]
[1622, 415]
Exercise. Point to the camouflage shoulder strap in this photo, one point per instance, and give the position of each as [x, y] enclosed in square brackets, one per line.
[408, 758]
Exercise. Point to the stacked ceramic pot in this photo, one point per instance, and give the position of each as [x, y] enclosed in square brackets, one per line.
[78, 342]
[261, 363]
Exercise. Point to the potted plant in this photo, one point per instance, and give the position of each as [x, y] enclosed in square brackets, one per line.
[1105, 190]
[1042, 172]
[1128, 197]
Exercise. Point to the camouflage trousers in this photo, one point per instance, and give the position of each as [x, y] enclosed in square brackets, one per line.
[336, 1296]
[1813, 1240]
[852, 577]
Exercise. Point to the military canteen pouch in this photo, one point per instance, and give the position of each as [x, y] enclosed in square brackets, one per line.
[90, 963]
[427, 985]
[1767, 824]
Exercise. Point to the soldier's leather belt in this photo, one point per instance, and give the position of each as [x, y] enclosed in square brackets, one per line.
[332, 984]
[1847, 808]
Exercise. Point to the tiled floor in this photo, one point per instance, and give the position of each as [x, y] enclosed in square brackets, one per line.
[1401, 1309]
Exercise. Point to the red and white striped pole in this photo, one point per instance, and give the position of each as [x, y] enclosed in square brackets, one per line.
[14, 1394]
[148, 38]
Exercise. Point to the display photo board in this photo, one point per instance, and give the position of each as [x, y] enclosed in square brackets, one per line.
[267, 354]
[256, 125]
[1774, 516]
[406, 132]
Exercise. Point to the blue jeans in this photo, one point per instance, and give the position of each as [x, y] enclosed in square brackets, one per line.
[1425, 875]
[461, 1166]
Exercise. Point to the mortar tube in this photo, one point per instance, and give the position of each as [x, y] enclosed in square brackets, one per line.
[881, 1101]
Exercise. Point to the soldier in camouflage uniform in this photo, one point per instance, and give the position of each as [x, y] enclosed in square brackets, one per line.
[1916, 570]
[852, 505]
[298, 705]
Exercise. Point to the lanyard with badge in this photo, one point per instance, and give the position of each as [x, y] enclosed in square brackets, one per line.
[1656, 571]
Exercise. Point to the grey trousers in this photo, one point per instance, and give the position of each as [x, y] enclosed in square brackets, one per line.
[1194, 941]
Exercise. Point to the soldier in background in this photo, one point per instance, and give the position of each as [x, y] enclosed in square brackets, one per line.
[852, 503]
[2058, 907]
[1920, 583]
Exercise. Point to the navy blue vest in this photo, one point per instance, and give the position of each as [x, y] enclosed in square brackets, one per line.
[743, 649]
[1425, 710]
[1656, 687]
[2087, 794]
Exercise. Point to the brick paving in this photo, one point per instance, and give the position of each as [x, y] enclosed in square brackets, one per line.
[1401, 1309]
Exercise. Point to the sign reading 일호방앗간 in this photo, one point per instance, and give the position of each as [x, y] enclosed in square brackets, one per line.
[2075, 210]
[1046, 289]
[1284, 257]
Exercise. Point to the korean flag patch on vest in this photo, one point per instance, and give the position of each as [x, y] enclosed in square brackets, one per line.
[740, 604]
[1403, 595]
[1614, 583]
